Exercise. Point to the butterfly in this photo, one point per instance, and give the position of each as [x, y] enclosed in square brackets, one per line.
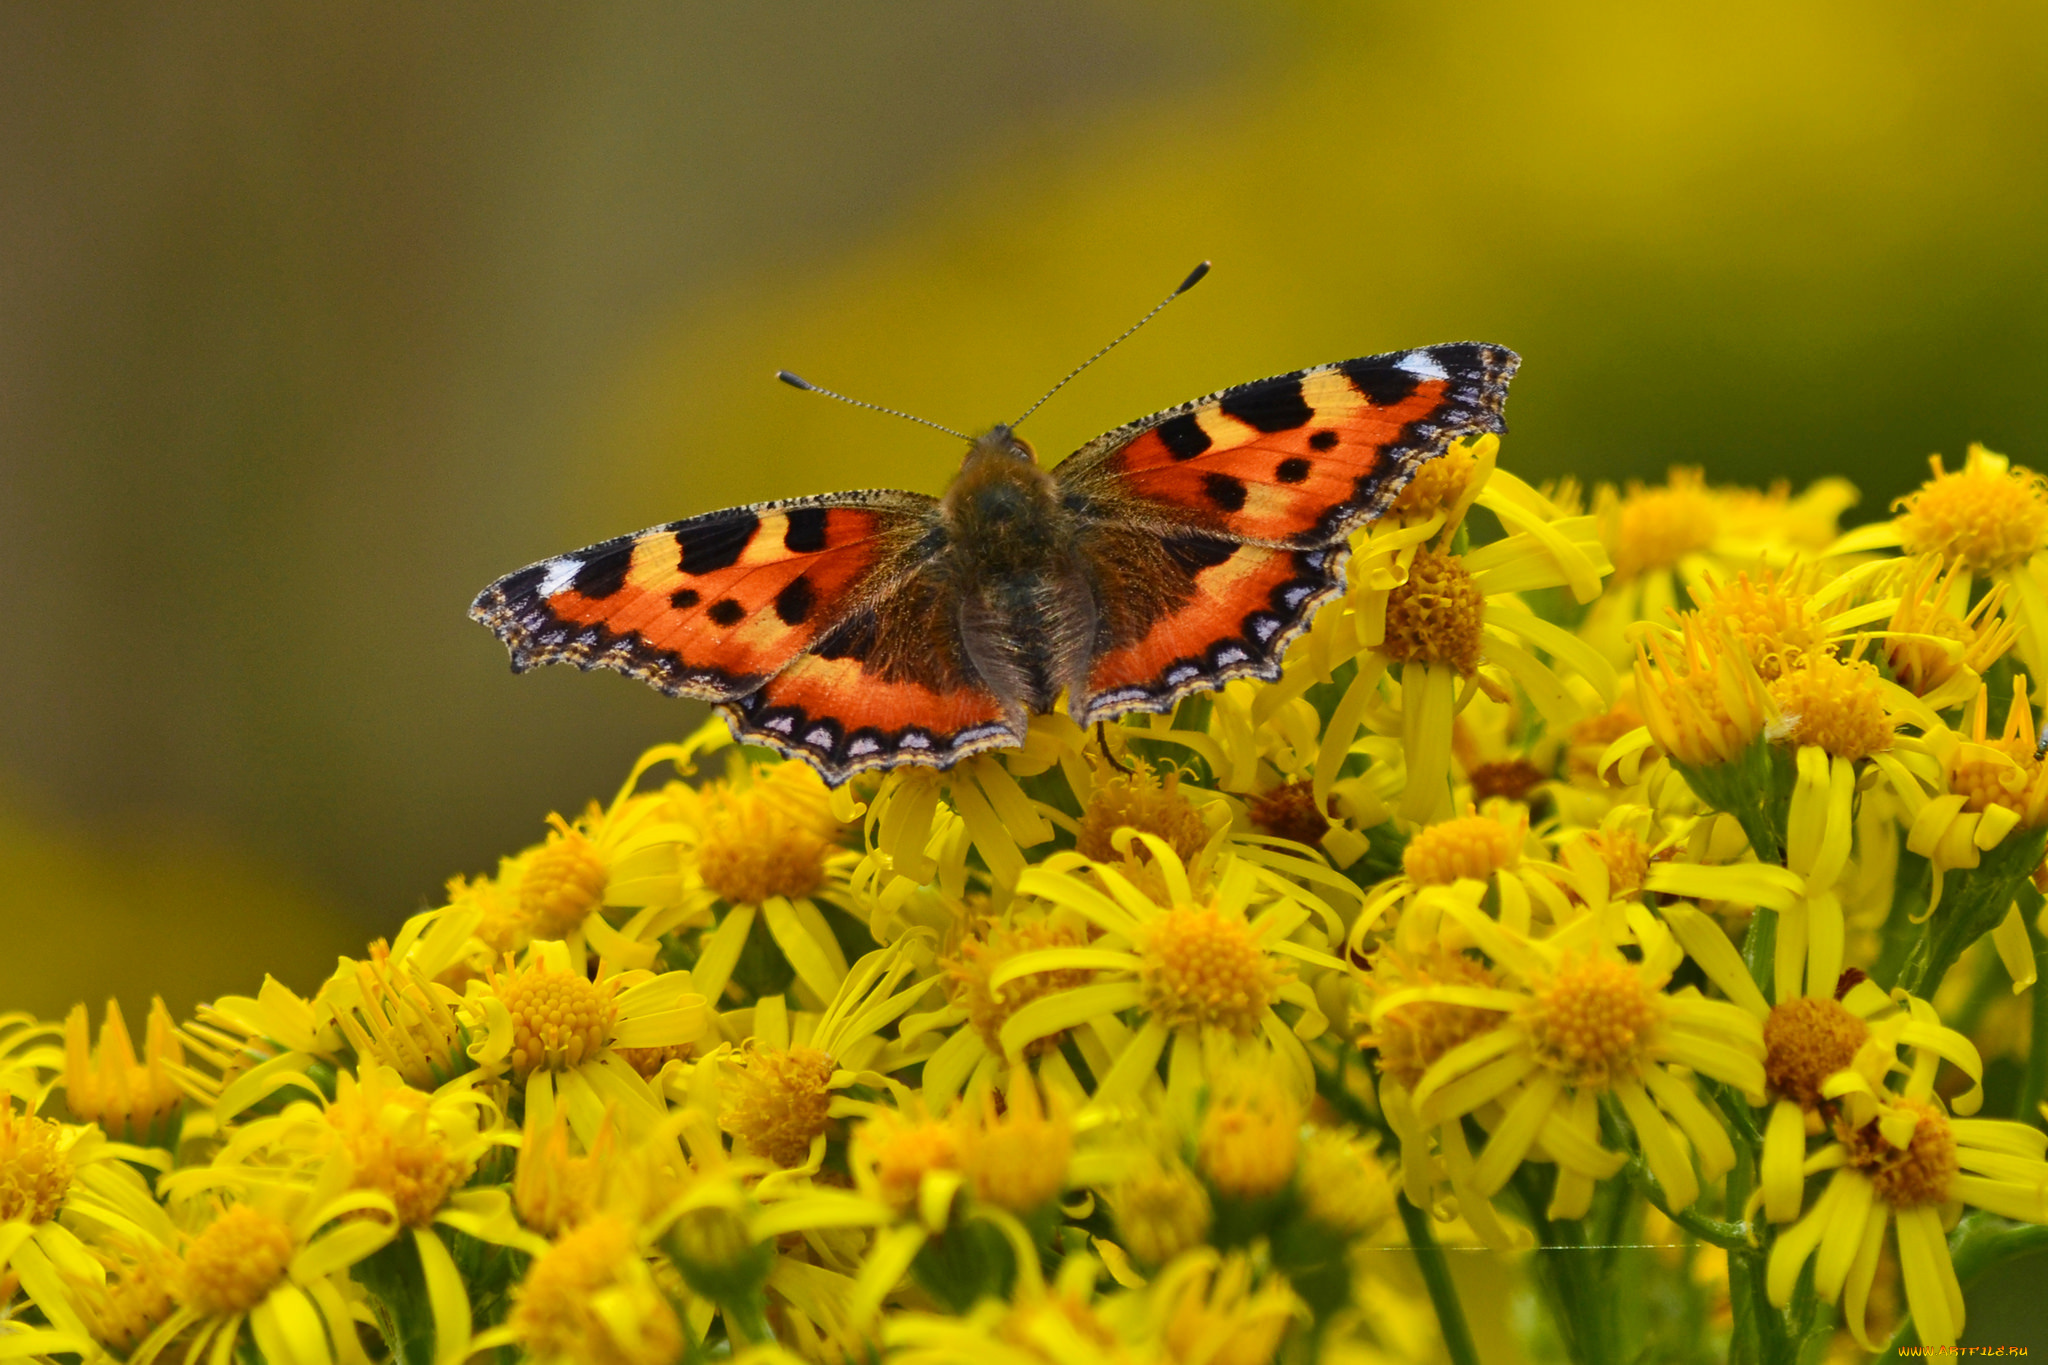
[875, 629]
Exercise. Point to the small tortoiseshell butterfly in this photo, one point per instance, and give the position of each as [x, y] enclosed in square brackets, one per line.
[873, 629]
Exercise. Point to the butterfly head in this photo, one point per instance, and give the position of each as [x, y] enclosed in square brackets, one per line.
[999, 442]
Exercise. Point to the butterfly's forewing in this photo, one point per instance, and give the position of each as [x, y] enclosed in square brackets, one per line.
[1300, 459]
[812, 622]
[1258, 486]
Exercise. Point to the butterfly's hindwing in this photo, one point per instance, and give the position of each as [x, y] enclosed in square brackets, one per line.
[889, 685]
[1303, 458]
[1242, 605]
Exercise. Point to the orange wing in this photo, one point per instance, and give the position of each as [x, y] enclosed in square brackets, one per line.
[1300, 459]
[1230, 614]
[813, 622]
[714, 606]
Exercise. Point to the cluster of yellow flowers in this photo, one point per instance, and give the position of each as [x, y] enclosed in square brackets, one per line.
[1588, 879]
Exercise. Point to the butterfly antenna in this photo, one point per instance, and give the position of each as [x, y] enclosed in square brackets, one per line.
[798, 382]
[1194, 278]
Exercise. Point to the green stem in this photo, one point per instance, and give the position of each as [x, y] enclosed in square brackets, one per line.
[1563, 1262]
[2035, 1082]
[1728, 1236]
[1443, 1294]
[397, 1289]
[1760, 949]
[1746, 1288]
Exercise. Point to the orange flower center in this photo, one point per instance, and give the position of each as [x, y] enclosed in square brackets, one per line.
[1805, 1042]
[564, 882]
[1411, 1037]
[1654, 528]
[239, 1259]
[1437, 615]
[779, 1102]
[1474, 846]
[1201, 967]
[753, 851]
[1835, 705]
[1921, 1173]
[1289, 812]
[1592, 1020]
[559, 1019]
[34, 1171]
[967, 972]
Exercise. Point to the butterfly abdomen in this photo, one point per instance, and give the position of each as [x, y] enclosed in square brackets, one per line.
[1025, 614]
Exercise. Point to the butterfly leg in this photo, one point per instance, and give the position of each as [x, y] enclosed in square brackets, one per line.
[1102, 740]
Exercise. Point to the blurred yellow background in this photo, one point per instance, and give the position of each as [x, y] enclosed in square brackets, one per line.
[316, 319]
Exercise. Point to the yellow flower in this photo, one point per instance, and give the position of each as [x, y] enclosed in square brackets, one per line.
[1985, 515]
[1017, 1159]
[1197, 969]
[897, 1155]
[48, 1169]
[554, 1189]
[1818, 1045]
[270, 1257]
[1775, 618]
[562, 1037]
[1702, 701]
[1937, 644]
[1900, 1168]
[415, 1150]
[1988, 519]
[1492, 848]
[780, 1090]
[1574, 1020]
[985, 949]
[1250, 1136]
[108, 1086]
[592, 1299]
[1343, 1184]
[1438, 615]
[1975, 796]
[1213, 1316]
[1161, 1210]
[1838, 706]
[778, 1102]
[1683, 530]
[393, 1015]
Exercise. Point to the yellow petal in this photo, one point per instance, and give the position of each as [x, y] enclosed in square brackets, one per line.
[2015, 949]
[1783, 1182]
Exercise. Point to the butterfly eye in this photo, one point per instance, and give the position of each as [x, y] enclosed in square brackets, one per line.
[1022, 450]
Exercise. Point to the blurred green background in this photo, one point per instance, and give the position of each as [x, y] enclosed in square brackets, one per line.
[314, 319]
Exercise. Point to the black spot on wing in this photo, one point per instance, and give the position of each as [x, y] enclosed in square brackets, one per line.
[1293, 469]
[682, 599]
[511, 588]
[1377, 378]
[725, 611]
[1225, 491]
[1323, 440]
[794, 602]
[1183, 437]
[604, 568]
[1269, 405]
[805, 532]
[710, 544]
[1196, 553]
